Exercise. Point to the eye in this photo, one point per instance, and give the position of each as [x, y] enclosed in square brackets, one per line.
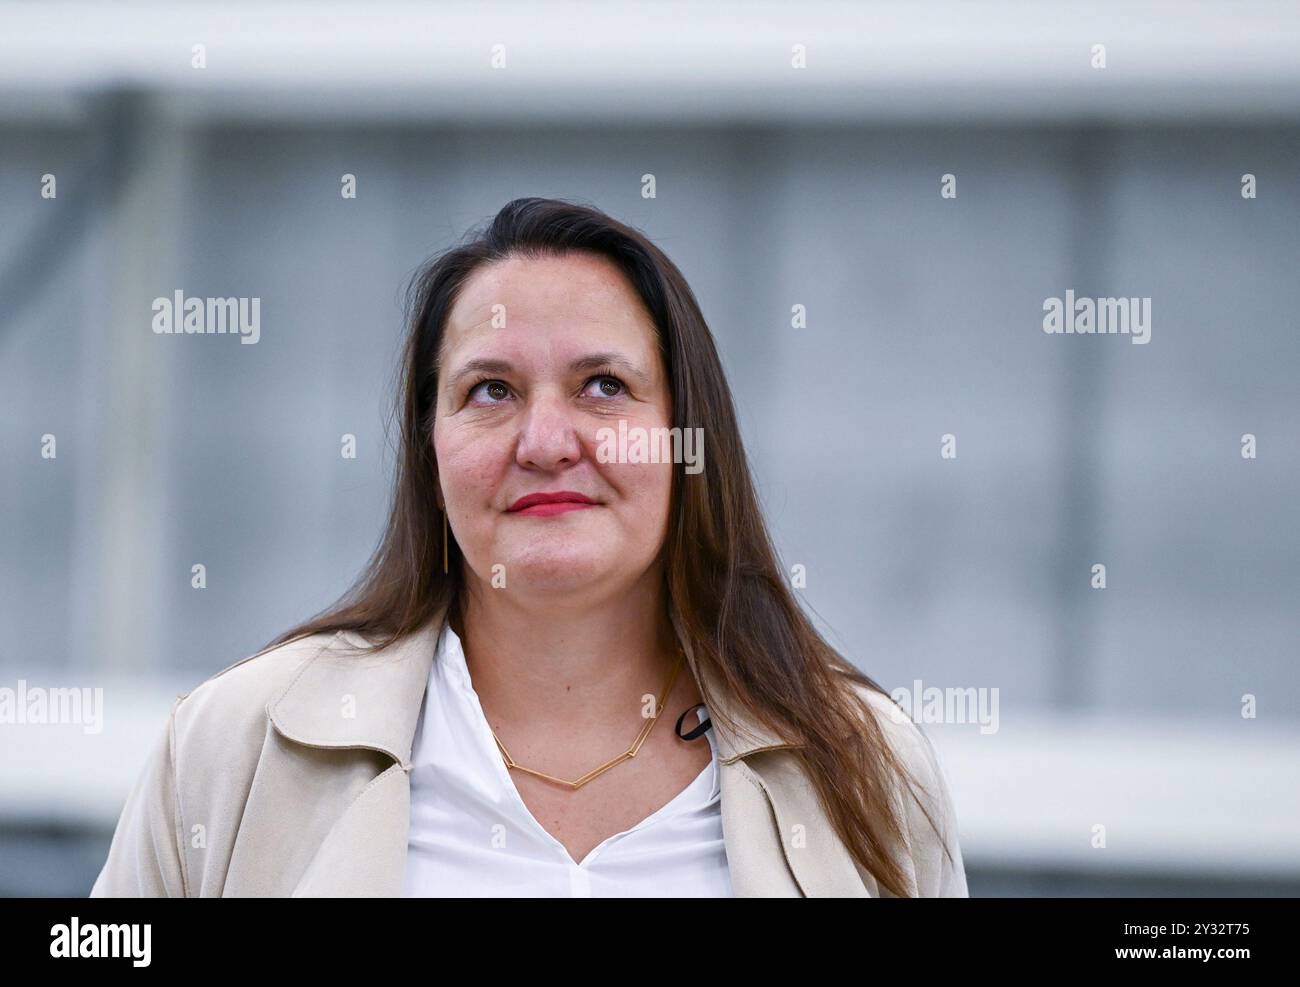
[496, 390]
[608, 386]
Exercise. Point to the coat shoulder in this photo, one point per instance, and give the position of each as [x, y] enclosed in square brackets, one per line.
[905, 737]
[241, 691]
[929, 812]
[178, 826]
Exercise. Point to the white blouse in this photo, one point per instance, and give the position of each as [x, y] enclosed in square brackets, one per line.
[473, 836]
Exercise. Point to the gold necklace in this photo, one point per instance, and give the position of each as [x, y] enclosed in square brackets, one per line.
[630, 752]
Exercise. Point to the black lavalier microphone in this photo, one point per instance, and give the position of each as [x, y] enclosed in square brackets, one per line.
[698, 731]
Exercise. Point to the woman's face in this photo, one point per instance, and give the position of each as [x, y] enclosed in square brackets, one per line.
[538, 355]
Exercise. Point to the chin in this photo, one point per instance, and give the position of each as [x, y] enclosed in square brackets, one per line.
[555, 566]
[562, 574]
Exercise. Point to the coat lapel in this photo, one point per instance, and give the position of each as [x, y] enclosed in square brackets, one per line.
[364, 853]
[770, 810]
[347, 700]
[779, 841]
[816, 857]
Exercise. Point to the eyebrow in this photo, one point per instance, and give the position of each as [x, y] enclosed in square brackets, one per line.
[593, 361]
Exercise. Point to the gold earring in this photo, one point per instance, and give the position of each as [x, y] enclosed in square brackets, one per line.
[444, 540]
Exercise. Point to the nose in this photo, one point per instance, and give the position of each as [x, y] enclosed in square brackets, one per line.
[548, 438]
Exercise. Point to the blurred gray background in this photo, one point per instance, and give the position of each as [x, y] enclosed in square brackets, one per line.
[774, 187]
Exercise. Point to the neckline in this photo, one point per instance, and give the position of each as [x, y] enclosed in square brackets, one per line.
[451, 655]
[450, 652]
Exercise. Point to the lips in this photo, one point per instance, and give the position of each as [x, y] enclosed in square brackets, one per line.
[557, 502]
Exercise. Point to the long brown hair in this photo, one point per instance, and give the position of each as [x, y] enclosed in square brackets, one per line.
[724, 584]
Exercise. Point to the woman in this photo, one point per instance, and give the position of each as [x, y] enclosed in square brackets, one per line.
[480, 714]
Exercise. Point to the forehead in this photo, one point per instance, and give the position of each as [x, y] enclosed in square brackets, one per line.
[579, 300]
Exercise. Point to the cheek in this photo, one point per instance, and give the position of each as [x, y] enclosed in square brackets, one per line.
[469, 466]
[646, 488]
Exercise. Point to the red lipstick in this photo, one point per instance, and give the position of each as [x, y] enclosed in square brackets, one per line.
[550, 503]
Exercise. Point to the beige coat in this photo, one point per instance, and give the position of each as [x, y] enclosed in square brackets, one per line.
[263, 784]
